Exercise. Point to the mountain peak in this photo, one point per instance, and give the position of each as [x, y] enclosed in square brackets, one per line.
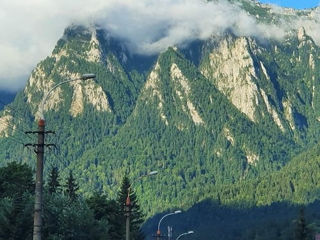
[75, 31]
[302, 34]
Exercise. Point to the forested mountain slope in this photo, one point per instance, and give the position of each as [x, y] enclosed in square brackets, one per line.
[219, 118]
[263, 208]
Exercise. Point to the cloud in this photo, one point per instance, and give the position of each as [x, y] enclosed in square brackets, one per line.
[151, 25]
[311, 24]
[29, 32]
[30, 29]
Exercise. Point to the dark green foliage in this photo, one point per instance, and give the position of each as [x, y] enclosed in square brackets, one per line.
[107, 210]
[301, 231]
[53, 181]
[71, 187]
[65, 220]
[15, 180]
[16, 218]
[62, 219]
[16, 202]
[99, 204]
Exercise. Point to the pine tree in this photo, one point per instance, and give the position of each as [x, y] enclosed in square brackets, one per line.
[71, 187]
[53, 181]
[136, 216]
[301, 230]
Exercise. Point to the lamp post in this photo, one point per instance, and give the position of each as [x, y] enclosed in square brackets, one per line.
[186, 233]
[127, 207]
[169, 214]
[37, 220]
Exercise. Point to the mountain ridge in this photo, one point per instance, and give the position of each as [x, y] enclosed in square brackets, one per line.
[218, 113]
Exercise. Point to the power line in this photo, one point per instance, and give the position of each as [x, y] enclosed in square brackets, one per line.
[12, 109]
[13, 127]
[16, 140]
[21, 117]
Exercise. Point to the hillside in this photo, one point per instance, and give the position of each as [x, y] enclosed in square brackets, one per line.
[266, 207]
[185, 128]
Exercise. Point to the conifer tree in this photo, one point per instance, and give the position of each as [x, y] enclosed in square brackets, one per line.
[53, 181]
[136, 216]
[301, 230]
[71, 187]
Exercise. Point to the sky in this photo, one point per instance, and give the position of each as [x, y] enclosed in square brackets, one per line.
[298, 4]
[30, 29]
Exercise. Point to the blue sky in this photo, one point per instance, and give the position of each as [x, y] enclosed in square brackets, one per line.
[299, 4]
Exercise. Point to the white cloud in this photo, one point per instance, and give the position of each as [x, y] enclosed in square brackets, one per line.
[311, 24]
[151, 26]
[30, 29]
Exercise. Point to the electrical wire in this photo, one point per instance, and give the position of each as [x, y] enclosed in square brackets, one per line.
[11, 126]
[12, 109]
[16, 140]
[14, 128]
[20, 116]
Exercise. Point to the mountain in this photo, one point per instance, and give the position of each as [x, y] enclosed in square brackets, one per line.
[188, 130]
[221, 119]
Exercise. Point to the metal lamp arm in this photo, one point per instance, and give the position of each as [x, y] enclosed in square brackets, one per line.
[163, 218]
[186, 233]
[131, 184]
[50, 91]
[140, 177]
[181, 235]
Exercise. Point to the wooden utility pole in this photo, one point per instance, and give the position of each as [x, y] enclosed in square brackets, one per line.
[37, 218]
[39, 150]
[38, 203]
[127, 209]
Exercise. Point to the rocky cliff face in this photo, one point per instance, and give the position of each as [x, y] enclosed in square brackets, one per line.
[53, 70]
[258, 77]
[231, 67]
[181, 90]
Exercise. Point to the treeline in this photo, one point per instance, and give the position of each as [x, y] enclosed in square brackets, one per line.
[66, 214]
[211, 220]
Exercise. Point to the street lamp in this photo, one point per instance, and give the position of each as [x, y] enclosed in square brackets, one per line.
[127, 207]
[169, 214]
[37, 221]
[85, 76]
[186, 233]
